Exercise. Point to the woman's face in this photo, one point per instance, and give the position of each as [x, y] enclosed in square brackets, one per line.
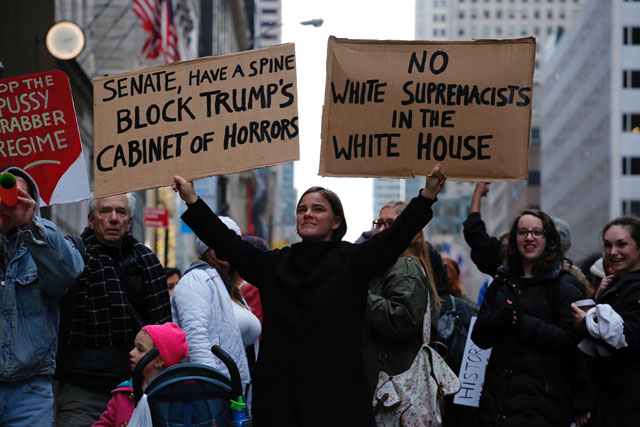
[530, 247]
[315, 219]
[386, 218]
[620, 250]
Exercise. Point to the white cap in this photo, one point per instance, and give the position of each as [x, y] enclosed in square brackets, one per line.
[597, 268]
[231, 225]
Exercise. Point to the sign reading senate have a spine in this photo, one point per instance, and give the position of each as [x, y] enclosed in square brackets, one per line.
[395, 108]
[199, 118]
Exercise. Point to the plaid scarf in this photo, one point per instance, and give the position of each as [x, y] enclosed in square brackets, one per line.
[101, 313]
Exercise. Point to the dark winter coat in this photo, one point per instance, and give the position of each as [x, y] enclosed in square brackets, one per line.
[529, 374]
[485, 250]
[617, 377]
[310, 369]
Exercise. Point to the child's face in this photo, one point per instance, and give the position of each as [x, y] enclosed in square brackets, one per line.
[142, 344]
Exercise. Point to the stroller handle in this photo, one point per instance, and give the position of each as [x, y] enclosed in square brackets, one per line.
[234, 373]
[137, 373]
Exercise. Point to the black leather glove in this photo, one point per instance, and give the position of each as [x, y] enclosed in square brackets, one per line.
[506, 317]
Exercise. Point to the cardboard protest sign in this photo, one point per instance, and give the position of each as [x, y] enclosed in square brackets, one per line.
[472, 369]
[395, 108]
[39, 133]
[199, 118]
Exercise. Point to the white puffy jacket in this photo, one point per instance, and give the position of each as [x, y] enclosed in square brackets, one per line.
[202, 307]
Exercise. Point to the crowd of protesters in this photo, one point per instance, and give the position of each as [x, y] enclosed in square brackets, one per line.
[314, 326]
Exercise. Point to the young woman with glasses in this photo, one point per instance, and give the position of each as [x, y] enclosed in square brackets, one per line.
[309, 371]
[527, 319]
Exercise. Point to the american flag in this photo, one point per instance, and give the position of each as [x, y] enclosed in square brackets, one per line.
[157, 20]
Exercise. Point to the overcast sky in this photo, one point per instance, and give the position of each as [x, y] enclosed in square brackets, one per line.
[354, 19]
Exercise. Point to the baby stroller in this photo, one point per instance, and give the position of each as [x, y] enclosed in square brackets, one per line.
[193, 395]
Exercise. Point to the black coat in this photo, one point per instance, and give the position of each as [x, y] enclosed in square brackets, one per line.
[486, 251]
[310, 366]
[617, 377]
[531, 369]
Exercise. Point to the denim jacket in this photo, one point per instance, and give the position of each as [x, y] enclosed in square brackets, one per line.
[40, 266]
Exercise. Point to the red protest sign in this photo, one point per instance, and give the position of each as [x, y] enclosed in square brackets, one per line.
[39, 133]
[156, 217]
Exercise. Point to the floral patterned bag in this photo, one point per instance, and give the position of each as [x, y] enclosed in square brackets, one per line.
[414, 397]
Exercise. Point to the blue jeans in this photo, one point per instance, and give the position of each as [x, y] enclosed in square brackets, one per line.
[27, 403]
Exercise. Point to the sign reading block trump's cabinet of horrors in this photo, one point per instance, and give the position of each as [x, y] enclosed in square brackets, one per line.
[199, 118]
[395, 108]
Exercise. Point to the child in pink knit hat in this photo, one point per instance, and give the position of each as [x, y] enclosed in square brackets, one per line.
[171, 343]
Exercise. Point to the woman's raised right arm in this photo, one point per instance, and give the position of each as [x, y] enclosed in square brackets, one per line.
[249, 261]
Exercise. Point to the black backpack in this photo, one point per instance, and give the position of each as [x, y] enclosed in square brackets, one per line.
[453, 333]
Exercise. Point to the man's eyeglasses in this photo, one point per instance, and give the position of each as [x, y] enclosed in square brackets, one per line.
[537, 233]
[378, 223]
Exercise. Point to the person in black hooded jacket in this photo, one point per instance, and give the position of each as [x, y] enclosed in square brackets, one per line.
[527, 319]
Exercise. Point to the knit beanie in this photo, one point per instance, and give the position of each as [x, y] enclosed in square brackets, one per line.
[564, 231]
[231, 225]
[170, 341]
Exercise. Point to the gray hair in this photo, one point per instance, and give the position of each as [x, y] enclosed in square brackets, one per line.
[131, 204]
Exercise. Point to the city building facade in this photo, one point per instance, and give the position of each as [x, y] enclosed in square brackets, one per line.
[591, 122]
[501, 19]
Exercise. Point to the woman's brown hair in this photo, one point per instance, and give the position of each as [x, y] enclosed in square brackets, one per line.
[417, 248]
[336, 208]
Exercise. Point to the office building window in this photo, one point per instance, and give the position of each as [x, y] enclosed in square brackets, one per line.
[549, 14]
[534, 178]
[631, 122]
[535, 135]
[631, 36]
[631, 166]
[631, 207]
[631, 78]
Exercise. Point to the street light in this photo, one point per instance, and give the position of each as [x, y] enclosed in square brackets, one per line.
[317, 22]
